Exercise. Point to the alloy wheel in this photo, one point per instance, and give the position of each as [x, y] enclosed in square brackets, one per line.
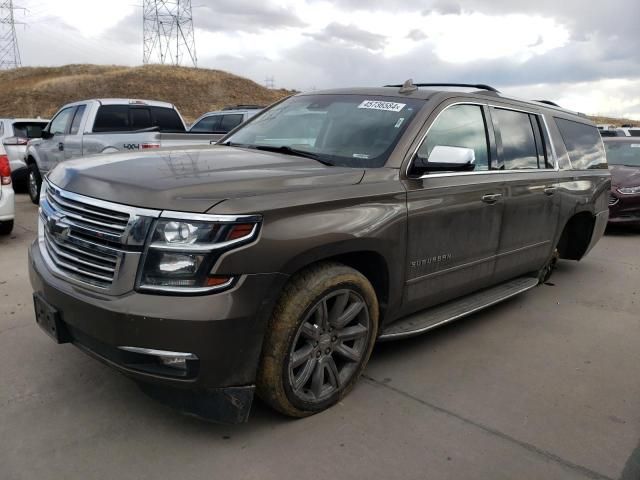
[329, 345]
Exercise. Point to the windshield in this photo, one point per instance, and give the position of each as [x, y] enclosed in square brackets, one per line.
[345, 130]
[623, 153]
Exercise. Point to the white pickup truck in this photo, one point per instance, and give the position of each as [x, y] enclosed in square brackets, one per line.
[105, 125]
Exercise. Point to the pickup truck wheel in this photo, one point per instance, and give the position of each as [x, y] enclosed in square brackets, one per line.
[319, 340]
[34, 183]
[6, 227]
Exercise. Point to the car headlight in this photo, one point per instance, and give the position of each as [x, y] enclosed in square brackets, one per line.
[629, 190]
[184, 248]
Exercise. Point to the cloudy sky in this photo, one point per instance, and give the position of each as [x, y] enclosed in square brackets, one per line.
[581, 53]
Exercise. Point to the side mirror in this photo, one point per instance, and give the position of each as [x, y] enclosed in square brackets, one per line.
[46, 134]
[445, 158]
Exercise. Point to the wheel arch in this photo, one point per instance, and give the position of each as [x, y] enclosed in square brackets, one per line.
[364, 256]
[576, 236]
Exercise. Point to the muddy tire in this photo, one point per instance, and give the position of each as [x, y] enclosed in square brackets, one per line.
[319, 339]
[34, 183]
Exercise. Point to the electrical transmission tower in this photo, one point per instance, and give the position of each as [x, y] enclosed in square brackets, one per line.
[168, 32]
[9, 51]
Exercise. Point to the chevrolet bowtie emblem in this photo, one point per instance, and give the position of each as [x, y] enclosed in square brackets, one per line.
[58, 227]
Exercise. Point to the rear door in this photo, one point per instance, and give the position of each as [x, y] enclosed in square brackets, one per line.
[454, 218]
[531, 203]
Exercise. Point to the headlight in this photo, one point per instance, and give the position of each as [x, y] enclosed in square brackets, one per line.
[184, 249]
[629, 190]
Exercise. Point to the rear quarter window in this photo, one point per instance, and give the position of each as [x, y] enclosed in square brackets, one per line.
[166, 119]
[584, 144]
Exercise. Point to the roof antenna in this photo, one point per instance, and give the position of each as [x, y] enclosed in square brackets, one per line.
[408, 87]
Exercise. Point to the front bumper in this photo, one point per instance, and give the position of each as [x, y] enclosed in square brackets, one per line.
[224, 331]
[624, 209]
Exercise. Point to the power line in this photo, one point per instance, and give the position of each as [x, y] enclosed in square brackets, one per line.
[269, 82]
[168, 36]
[9, 51]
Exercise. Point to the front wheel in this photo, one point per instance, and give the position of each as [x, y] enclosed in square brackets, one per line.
[319, 340]
[34, 183]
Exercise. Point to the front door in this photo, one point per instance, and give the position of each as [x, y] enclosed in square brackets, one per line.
[454, 217]
[51, 150]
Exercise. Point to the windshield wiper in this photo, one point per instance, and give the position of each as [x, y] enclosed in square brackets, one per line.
[292, 151]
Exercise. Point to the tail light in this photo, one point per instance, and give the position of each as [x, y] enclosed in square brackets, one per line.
[5, 170]
[15, 141]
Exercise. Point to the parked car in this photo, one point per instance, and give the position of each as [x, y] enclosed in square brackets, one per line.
[105, 126]
[623, 156]
[223, 121]
[630, 131]
[14, 135]
[7, 201]
[280, 255]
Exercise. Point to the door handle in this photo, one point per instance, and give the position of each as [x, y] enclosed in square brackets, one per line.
[491, 198]
[60, 146]
[550, 190]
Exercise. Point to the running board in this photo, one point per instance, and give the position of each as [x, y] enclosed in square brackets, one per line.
[433, 317]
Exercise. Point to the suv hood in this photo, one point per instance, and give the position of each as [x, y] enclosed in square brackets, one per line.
[624, 176]
[194, 180]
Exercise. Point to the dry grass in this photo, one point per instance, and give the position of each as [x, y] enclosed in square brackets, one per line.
[33, 91]
[615, 121]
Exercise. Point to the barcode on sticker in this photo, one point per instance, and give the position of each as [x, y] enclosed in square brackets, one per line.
[378, 105]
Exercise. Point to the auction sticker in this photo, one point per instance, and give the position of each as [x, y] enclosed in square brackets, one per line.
[379, 105]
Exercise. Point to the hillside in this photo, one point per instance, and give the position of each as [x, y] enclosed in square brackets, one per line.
[33, 91]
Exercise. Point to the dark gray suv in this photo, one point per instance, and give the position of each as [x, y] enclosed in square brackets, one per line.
[273, 261]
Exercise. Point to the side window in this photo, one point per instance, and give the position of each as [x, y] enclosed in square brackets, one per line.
[516, 139]
[112, 118]
[207, 125]
[60, 122]
[77, 118]
[229, 122]
[459, 126]
[140, 118]
[583, 143]
[166, 119]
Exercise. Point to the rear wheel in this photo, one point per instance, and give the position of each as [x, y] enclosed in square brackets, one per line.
[6, 227]
[34, 183]
[319, 340]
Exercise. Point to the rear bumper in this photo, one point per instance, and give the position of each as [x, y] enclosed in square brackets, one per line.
[7, 203]
[225, 332]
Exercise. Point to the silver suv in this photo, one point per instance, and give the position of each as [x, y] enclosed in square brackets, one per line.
[223, 121]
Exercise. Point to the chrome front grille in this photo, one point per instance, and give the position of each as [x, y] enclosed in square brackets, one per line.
[91, 242]
[613, 199]
[94, 220]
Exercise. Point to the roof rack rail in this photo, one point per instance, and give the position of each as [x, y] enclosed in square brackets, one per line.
[548, 102]
[237, 107]
[479, 86]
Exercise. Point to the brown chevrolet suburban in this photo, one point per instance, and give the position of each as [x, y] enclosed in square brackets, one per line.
[273, 261]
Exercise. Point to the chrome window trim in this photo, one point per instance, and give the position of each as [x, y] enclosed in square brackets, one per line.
[485, 172]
